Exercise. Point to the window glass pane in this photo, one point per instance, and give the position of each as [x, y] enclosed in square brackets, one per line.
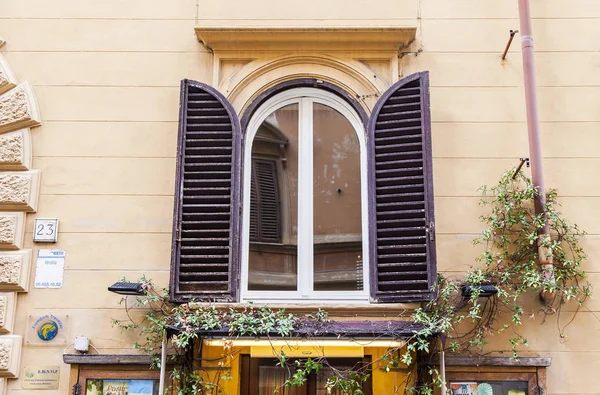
[121, 387]
[322, 377]
[271, 379]
[274, 203]
[489, 388]
[337, 203]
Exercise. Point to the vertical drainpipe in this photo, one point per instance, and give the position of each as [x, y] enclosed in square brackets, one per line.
[533, 129]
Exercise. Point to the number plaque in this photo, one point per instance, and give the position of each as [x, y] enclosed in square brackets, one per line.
[45, 230]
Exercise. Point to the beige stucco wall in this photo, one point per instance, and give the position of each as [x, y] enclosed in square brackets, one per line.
[106, 77]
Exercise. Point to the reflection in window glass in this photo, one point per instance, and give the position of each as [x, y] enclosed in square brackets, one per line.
[489, 388]
[271, 380]
[322, 377]
[121, 387]
[337, 204]
[274, 203]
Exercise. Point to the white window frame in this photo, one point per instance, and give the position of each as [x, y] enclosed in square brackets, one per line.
[304, 97]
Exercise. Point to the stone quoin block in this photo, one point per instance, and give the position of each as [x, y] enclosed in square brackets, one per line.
[15, 150]
[18, 108]
[19, 190]
[8, 307]
[7, 78]
[15, 269]
[10, 355]
[12, 228]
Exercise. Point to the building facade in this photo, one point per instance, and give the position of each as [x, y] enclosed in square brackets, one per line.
[206, 186]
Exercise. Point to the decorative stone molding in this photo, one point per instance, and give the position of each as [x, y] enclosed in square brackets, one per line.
[18, 108]
[259, 74]
[249, 58]
[12, 228]
[7, 78]
[222, 36]
[10, 355]
[15, 269]
[15, 150]
[8, 307]
[19, 190]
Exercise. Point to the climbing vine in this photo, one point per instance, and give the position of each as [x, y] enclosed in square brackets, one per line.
[459, 319]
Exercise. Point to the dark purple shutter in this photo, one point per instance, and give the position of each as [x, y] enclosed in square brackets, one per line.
[205, 264]
[402, 234]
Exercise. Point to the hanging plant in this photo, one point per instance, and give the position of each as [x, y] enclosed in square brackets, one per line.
[508, 273]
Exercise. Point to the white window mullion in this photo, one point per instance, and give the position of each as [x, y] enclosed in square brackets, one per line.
[305, 198]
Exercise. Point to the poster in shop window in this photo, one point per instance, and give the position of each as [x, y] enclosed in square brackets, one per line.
[467, 388]
[120, 387]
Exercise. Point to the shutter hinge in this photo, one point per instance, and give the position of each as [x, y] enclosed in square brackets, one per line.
[177, 239]
[431, 231]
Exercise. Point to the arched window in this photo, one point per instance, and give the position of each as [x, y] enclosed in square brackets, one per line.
[305, 233]
[311, 206]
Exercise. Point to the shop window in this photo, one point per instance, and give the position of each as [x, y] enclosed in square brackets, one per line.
[118, 380]
[262, 376]
[505, 377]
[318, 203]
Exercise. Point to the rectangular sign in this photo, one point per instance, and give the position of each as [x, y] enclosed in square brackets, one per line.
[49, 270]
[45, 230]
[40, 377]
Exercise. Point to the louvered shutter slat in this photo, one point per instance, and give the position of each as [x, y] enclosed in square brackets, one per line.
[401, 202]
[205, 232]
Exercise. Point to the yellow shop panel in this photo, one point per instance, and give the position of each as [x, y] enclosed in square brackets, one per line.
[271, 351]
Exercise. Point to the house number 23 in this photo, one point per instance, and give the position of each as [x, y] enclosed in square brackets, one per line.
[45, 230]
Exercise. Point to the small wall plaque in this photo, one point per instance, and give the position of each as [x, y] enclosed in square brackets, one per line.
[40, 377]
[47, 330]
[45, 230]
